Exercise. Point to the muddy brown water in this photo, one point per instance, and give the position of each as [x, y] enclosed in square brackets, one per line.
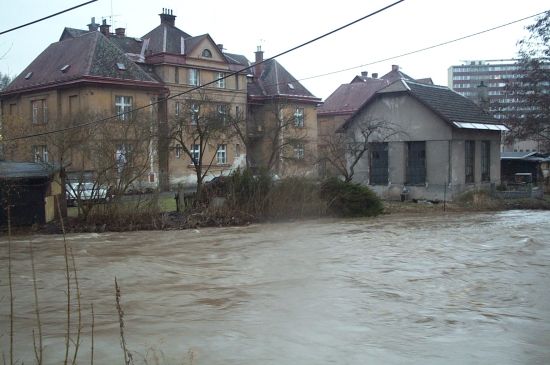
[400, 289]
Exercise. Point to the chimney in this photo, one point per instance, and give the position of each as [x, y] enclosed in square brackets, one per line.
[220, 46]
[375, 75]
[395, 67]
[167, 17]
[93, 26]
[104, 27]
[258, 68]
[364, 73]
[120, 32]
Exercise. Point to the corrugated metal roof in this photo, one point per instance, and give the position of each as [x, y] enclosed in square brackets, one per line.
[12, 170]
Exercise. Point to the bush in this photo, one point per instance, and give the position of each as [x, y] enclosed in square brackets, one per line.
[350, 199]
[295, 197]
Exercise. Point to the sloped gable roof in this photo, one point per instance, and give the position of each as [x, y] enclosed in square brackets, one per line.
[88, 55]
[165, 38]
[72, 33]
[444, 102]
[347, 98]
[275, 80]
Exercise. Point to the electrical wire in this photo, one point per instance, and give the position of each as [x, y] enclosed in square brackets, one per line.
[208, 83]
[47, 17]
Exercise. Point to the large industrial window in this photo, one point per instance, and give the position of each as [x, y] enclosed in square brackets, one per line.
[469, 160]
[416, 163]
[485, 160]
[378, 163]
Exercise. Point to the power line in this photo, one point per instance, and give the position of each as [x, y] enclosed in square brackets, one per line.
[47, 17]
[208, 83]
[419, 50]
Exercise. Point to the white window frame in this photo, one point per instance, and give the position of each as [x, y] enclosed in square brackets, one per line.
[221, 80]
[123, 106]
[178, 108]
[299, 152]
[194, 77]
[40, 153]
[39, 111]
[223, 112]
[299, 117]
[195, 110]
[178, 150]
[221, 154]
[195, 153]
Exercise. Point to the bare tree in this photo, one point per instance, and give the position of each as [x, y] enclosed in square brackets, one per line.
[201, 125]
[277, 135]
[344, 149]
[4, 80]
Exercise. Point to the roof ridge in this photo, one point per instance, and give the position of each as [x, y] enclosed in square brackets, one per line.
[91, 53]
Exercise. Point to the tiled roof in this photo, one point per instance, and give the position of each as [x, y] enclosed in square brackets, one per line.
[72, 33]
[275, 80]
[165, 38]
[127, 44]
[448, 104]
[88, 55]
[395, 75]
[349, 97]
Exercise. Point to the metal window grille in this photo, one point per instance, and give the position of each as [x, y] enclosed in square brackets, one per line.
[416, 163]
[379, 163]
[485, 160]
[469, 156]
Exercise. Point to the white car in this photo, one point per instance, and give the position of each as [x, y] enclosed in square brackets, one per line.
[85, 191]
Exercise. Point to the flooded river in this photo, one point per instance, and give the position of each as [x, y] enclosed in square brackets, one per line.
[402, 289]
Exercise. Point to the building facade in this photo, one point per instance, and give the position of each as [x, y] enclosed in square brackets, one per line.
[485, 81]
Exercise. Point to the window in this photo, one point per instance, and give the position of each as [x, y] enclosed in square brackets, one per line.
[195, 109]
[416, 163]
[40, 153]
[194, 77]
[299, 151]
[39, 111]
[123, 105]
[221, 80]
[176, 75]
[195, 154]
[237, 150]
[178, 151]
[236, 81]
[299, 117]
[222, 113]
[485, 160]
[122, 156]
[206, 53]
[469, 159]
[177, 108]
[221, 154]
[378, 163]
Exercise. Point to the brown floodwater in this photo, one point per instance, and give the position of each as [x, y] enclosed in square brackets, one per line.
[400, 289]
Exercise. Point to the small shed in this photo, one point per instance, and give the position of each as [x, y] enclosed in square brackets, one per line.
[29, 190]
[535, 163]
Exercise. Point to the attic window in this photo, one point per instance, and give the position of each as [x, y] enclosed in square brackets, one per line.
[121, 66]
[28, 76]
[65, 68]
[206, 53]
[291, 86]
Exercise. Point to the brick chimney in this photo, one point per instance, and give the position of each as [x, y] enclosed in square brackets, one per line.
[258, 68]
[395, 67]
[364, 73]
[375, 75]
[93, 26]
[104, 27]
[220, 46]
[167, 17]
[120, 32]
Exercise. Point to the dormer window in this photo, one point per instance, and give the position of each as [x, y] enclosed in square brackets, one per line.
[28, 76]
[291, 86]
[65, 68]
[121, 66]
[206, 53]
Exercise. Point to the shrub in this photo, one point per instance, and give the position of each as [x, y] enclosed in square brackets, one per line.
[295, 197]
[349, 199]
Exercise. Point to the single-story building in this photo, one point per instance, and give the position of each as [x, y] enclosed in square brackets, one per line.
[535, 163]
[425, 140]
[30, 191]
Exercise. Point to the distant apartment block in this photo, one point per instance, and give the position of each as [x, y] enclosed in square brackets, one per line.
[484, 81]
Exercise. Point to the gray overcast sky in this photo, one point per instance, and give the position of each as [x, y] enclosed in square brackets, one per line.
[242, 25]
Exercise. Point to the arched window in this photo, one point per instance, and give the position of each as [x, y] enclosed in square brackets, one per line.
[207, 53]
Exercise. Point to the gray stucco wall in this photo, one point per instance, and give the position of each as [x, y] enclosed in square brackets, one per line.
[445, 150]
